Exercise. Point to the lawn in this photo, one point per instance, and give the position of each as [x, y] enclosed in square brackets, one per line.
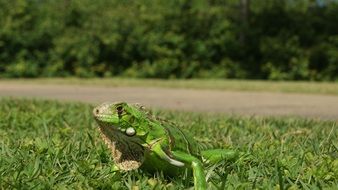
[46, 144]
[330, 88]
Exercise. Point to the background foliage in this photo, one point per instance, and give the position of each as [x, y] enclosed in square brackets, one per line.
[279, 40]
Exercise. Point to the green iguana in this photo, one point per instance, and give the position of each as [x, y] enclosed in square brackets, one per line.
[138, 139]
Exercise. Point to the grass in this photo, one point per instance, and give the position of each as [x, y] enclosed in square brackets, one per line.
[218, 84]
[45, 144]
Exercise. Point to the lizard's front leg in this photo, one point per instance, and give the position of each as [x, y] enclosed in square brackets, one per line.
[180, 159]
[196, 165]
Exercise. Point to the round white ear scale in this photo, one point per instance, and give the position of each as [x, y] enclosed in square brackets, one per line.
[130, 131]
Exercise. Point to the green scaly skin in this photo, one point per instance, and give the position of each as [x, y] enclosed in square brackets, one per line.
[137, 139]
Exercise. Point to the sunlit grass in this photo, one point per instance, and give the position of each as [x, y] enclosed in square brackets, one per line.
[45, 144]
[218, 84]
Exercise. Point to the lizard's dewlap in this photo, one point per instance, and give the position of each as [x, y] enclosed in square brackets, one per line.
[126, 152]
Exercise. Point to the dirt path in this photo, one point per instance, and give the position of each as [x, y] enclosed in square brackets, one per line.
[237, 103]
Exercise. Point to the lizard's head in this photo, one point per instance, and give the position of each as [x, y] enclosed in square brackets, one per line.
[120, 116]
[121, 128]
[109, 113]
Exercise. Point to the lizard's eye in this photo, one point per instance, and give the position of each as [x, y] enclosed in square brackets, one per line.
[130, 131]
[119, 110]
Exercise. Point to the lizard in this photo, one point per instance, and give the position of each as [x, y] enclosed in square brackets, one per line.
[138, 139]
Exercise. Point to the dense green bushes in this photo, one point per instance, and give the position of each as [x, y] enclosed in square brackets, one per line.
[169, 39]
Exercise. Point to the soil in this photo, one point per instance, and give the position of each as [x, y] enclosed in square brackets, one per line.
[219, 101]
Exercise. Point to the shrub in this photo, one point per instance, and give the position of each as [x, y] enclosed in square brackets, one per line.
[278, 40]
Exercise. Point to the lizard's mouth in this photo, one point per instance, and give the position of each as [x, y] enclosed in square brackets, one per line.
[127, 152]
